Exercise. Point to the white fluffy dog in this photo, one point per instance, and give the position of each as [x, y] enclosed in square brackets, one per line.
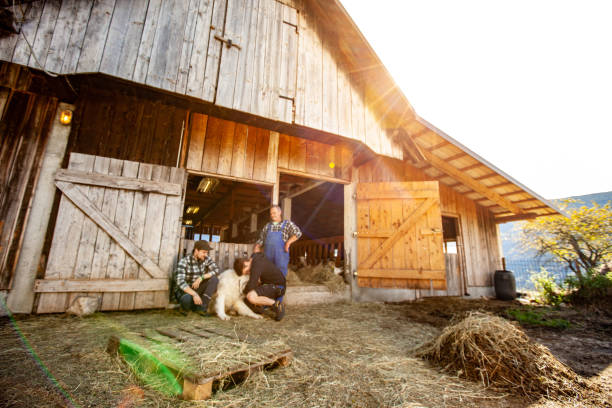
[229, 296]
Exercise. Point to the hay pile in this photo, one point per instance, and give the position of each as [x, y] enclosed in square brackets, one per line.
[491, 350]
[320, 274]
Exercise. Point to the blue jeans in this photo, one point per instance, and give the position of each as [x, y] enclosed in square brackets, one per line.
[206, 290]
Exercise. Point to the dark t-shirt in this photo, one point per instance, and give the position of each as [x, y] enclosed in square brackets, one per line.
[263, 272]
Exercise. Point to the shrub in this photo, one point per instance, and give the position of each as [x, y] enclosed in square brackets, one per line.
[550, 293]
[591, 288]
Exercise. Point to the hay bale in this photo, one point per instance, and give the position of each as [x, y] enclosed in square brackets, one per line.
[491, 350]
[322, 274]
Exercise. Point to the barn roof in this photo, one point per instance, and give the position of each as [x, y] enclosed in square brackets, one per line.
[427, 147]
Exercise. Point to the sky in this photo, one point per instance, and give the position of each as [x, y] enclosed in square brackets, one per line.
[527, 85]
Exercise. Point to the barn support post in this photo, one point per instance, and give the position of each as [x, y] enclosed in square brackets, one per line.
[21, 296]
[286, 208]
[253, 222]
[350, 226]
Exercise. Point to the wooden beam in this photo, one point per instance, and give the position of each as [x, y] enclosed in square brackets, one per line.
[521, 217]
[505, 183]
[478, 187]
[82, 202]
[471, 166]
[120, 182]
[305, 189]
[314, 176]
[106, 285]
[526, 200]
[439, 145]
[216, 205]
[513, 193]
[486, 176]
[455, 156]
[403, 273]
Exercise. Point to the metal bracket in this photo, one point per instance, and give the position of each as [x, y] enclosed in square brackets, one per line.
[355, 234]
[228, 42]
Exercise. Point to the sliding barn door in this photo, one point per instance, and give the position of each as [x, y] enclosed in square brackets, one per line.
[116, 234]
[399, 237]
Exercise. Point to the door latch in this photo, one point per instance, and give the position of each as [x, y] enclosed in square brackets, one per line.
[227, 41]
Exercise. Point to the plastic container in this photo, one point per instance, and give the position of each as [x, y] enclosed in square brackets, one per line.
[505, 285]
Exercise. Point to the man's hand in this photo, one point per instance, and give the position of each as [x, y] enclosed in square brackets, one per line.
[287, 245]
[196, 284]
[197, 299]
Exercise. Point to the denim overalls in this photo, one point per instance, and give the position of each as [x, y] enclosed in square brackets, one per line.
[274, 249]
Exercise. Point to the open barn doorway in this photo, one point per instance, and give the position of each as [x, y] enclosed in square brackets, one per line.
[317, 208]
[226, 212]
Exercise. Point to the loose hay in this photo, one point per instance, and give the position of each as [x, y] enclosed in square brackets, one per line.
[321, 274]
[491, 350]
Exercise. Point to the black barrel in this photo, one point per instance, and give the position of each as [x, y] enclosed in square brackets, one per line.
[505, 285]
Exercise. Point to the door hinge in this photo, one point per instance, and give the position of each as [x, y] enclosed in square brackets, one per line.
[227, 41]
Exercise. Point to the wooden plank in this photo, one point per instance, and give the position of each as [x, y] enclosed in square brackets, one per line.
[187, 46]
[297, 154]
[64, 249]
[226, 147]
[273, 59]
[246, 59]
[260, 102]
[272, 162]
[156, 207]
[197, 136]
[234, 25]
[239, 150]
[120, 182]
[249, 162]
[117, 256]
[389, 273]
[170, 33]
[261, 155]
[123, 41]
[89, 233]
[301, 74]
[103, 241]
[313, 115]
[210, 160]
[288, 68]
[170, 235]
[209, 89]
[61, 35]
[390, 195]
[104, 285]
[21, 53]
[344, 103]
[358, 129]
[330, 88]
[197, 63]
[83, 203]
[76, 38]
[284, 144]
[95, 36]
[146, 42]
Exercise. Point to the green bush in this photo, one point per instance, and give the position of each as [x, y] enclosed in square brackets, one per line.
[536, 318]
[592, 287]
[550, 293]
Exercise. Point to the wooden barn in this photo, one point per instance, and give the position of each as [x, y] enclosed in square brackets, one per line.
[130, 128]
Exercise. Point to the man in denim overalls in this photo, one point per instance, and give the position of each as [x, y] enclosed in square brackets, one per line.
[276, 237]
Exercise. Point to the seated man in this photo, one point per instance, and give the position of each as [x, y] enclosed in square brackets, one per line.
[266, 283]
[196, 279]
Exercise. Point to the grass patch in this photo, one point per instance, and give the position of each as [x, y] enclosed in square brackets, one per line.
[536, 318]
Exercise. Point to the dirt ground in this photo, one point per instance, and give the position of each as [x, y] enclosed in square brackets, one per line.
[357, 355]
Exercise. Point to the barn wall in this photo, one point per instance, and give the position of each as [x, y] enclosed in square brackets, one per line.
[478, 228]
[127, 128]
[24, 127]
[287, 66]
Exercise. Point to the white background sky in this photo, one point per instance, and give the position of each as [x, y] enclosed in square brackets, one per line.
[525, 84]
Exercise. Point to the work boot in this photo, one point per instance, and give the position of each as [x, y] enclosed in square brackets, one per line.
[279, 309]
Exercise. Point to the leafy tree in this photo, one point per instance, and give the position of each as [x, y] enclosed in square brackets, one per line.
[582, 239]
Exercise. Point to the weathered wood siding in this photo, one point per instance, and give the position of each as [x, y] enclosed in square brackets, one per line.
[477, 224]
[128, 128]
[281, 64]
[227, 148]
[25, 120]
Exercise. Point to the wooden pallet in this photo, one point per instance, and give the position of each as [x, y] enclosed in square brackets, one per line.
[199, 384]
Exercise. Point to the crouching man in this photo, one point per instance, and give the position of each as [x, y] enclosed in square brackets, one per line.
[196, 279]
[266, 283]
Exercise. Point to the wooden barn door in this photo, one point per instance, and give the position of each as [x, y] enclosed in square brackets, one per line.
[116, 234]
[399, 237]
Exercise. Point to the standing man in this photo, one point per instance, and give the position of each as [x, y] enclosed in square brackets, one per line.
[196, 279]
[276, 237]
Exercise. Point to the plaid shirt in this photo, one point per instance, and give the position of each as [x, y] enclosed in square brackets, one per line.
[189, 269]
[290, 230]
